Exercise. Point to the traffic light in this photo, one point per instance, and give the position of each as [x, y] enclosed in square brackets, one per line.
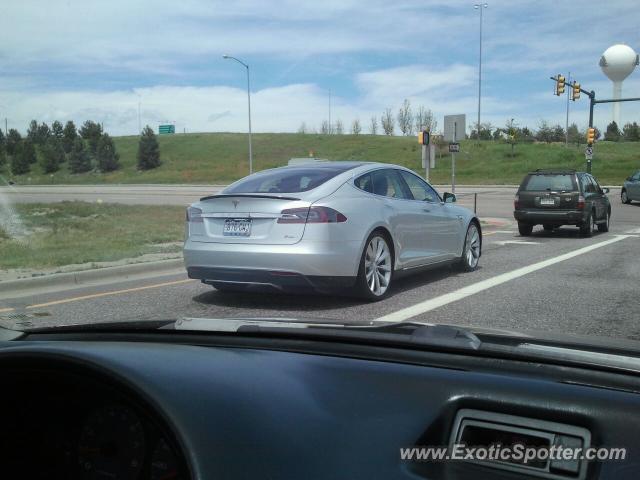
[423, 137]
[560, 81]
[591, 136]
[575, 93]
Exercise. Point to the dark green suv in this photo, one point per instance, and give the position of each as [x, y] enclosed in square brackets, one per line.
[552, 198]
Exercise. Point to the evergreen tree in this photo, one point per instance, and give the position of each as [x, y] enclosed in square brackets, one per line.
[13, 141]
[23, 157]
[79, 159]
[69, 136]
[43, 133]
[32, 131]
[613, 132]
[52, 155]
[3, 150]
[631, 132]
[57, 130]
[106, 156]
[148, 150]
[91, 132]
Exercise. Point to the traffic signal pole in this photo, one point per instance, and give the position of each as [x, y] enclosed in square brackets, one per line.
[592, 102]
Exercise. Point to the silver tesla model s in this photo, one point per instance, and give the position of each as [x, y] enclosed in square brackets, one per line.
[327, 226]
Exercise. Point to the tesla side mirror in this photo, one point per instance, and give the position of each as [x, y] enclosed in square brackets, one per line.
[605, 190]
[449, 197]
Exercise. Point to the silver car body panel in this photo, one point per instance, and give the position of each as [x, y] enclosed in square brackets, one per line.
[423, 233]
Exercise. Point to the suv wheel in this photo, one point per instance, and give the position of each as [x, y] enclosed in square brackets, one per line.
[589, 225]
[604, 227]
[525, 229]
[624, 197]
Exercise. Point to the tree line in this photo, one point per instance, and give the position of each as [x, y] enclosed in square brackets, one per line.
[405, 119]
[82, 150]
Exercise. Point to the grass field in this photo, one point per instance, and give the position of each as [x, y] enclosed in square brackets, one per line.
[222, 157]
[78, 232]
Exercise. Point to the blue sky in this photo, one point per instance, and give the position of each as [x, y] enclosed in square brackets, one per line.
[95, 59]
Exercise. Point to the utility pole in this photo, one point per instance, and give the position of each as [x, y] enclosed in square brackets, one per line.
[566, 123]
[480, 6]
[330, 129]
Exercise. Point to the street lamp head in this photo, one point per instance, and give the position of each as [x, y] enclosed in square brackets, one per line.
[225, 56]
[478, 5]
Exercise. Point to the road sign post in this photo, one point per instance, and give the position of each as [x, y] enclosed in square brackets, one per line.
[454, 128]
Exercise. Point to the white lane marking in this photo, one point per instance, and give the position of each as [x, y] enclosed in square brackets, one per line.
[433, 303]
[635, 230]
[505, 231]
[516, 242]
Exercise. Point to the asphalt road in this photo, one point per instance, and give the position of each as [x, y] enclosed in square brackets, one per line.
[547, 282]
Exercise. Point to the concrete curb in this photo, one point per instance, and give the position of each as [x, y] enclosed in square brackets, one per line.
[86, 277]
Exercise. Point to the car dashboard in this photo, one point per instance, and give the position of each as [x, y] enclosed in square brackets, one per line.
[169, 406]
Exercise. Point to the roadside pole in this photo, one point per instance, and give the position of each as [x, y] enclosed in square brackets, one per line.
[426, 161]
[453, 158]
[427, 152]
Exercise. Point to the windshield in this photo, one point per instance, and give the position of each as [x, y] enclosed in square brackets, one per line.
[550, 182]
[331, 162]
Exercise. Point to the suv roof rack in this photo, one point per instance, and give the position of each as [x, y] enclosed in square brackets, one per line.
[552, 171]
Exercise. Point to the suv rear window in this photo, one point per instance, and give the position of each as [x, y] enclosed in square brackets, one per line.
[285, 180]
[554, 182]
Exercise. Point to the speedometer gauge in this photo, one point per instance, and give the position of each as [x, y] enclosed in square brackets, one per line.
[164, 465]
[111, 444]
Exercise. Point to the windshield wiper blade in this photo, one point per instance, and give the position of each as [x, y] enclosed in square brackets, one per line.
[445, 336]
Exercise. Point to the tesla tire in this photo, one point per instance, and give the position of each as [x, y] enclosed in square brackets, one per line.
[376, 268]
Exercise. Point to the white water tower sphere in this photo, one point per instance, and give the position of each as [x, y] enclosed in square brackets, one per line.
[617, 63]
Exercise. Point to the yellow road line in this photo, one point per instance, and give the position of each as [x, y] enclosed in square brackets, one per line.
[8, 309]
[106, 294]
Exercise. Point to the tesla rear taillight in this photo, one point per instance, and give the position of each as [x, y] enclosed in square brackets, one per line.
[194, 215]
[311, 215]
[580, 202]
[516, 202]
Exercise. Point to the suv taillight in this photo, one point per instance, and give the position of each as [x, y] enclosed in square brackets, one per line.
[194, 215]
[580, 202]
[516, 202]
[311, 215]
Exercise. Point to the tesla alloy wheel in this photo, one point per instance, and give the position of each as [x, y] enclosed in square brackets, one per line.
[471, 251]
[376, 268]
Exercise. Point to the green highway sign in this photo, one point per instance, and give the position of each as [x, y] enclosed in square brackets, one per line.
[166, 129]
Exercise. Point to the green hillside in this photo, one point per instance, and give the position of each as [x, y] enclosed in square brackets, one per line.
[222, 157]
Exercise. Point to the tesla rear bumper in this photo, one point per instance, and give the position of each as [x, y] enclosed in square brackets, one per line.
[305, 265]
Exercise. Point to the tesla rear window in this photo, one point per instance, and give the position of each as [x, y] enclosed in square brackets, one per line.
[285, 180]
[551, 182]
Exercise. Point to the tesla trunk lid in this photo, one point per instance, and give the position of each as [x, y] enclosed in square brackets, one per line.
[247, 219]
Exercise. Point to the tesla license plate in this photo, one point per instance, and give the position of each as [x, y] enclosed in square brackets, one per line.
[547, 201]
[234, 227]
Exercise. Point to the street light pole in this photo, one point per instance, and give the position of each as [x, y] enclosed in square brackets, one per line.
[139, 123]
[480, 6]
[566, 122]
[249, 107]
